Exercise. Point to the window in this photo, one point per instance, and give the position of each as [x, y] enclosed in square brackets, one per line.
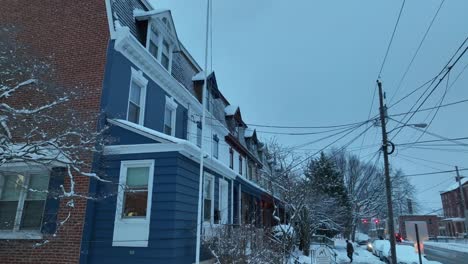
[250, 172]
[240, 164]
[133, 210]
[199, 133]
[159, 45]
[231, 158]
[208, 198]
[137, 97]
[170, 117]
[136, 192]
[154, 44]
[22, 200]
[215, 146]
[165, 55]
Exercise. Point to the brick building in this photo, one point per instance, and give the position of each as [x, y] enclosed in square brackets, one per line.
[73, 39]
[432, 222]
[454, 215]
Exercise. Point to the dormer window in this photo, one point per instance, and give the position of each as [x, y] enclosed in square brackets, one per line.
[154, 44]
[160, 45]
[165, 55]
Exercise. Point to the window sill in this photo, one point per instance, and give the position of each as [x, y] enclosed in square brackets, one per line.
[21, 235]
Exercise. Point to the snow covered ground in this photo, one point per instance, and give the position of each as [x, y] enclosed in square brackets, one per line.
[460, 247]
[361, 255]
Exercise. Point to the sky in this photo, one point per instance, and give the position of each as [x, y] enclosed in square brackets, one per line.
[315, 63]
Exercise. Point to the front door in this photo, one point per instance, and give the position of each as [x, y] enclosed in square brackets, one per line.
[223, 201]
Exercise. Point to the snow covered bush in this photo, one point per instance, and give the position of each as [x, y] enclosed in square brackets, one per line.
[244, 244]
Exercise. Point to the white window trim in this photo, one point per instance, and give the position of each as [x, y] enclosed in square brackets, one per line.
[138, 78]
[172, 105]
[221, 182]
[16, 233]
[209, 176]
[163, 36]
[132, 232]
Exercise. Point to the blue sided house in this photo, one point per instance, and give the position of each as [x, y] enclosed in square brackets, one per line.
[151, 104]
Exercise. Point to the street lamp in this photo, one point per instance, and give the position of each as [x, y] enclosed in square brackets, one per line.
[420, 125]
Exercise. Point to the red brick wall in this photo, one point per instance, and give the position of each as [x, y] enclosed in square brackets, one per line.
[73, 37]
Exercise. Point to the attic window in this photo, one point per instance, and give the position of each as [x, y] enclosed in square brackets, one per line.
[166, 22]
[159, 45]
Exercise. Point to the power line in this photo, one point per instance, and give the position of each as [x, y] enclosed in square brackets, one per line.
[432, 173]
[426, 160]
[417, 50]
[435, 87]
[391, 39]
[447, 88]
[431, 108]
[434, 140]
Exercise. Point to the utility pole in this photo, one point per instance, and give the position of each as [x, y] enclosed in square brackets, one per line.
[388, 183]
[462, 195]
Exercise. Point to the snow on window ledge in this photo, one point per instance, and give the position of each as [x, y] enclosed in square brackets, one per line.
[30, 234]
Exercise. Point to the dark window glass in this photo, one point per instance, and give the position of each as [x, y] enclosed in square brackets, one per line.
[133, 113]
[165, 61]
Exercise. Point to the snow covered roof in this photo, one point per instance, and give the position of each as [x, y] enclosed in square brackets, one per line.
[454, 219]
[230, 110]
[200, 76]
[148, 131]
[249, 133]
[455, 185]
[165, 15]
[143, 15]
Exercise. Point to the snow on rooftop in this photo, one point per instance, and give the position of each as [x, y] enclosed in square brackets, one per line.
[230, 110]
[149, 131]
[455, 185]
[200, 76]
[142, 14]
[249, 132]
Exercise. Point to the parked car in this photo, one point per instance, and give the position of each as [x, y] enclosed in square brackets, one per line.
[369, 245]
[380, 248]
[361, 239]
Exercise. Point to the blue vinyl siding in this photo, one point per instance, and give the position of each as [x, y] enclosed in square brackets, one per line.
[173, 213]
[114, 100]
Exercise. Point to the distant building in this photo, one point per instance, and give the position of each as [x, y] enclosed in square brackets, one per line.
[454, 216]
[432, 222]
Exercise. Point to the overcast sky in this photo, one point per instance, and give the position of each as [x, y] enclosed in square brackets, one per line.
[312, 63]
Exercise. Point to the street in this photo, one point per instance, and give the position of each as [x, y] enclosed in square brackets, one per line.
[445, 256]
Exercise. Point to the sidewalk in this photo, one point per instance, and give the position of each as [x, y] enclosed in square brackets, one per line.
[361, 255]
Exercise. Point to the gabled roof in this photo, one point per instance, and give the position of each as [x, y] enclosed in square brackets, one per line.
[212, 84]
[140, 15]
[234, 112]
[250, 133]
[231, 110]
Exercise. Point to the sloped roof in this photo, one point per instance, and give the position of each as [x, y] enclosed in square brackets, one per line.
[230, 110]
[139, 15]
[249, 133]
[455, 185]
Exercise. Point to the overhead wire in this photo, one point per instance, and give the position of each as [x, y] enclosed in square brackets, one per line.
[417, 51]
[448, 69]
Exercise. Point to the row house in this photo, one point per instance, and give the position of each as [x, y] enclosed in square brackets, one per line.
[150, 101]
[453, 223]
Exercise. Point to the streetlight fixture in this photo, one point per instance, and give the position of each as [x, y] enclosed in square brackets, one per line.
[420, 125]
